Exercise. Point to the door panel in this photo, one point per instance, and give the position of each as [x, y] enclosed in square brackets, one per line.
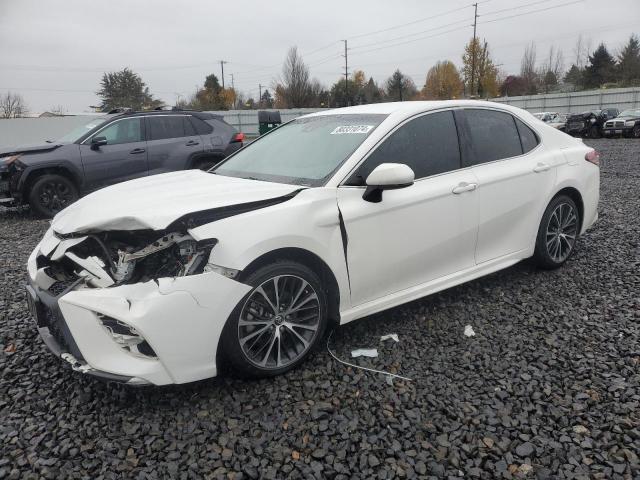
[511, 194]
[416, 234]
[123, 158]
[172, 141]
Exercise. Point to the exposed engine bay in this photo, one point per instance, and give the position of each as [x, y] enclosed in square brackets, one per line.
[120, 257]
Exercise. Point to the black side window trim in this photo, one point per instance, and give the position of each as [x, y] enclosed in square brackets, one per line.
[469, 160]
[352, 173]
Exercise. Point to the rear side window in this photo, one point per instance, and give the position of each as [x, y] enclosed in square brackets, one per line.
[527, 137]
[202, 127]
[161, 127]
[428, 144]
[494, 135]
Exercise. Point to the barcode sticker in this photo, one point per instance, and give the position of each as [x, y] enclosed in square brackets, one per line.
[352, 129]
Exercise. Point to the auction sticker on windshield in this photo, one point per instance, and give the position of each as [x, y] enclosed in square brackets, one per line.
[352, 129]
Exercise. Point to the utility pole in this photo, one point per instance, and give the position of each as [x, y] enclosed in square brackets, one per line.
[346, 75]
[233, 87]
[473, 49]
[222, 62]
[259, 95]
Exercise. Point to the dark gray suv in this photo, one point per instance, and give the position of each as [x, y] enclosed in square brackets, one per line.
[112, 150]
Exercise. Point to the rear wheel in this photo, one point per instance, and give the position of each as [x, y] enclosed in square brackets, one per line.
[51, 193]
[557, 233]
[279, 322]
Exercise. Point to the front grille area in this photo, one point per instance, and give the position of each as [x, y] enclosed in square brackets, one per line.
[59, 287]
[619, 124]
[51, 321]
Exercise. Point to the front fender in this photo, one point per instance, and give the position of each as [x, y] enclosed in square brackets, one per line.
[309, 221]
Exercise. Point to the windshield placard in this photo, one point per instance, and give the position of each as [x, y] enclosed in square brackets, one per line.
[341, 130]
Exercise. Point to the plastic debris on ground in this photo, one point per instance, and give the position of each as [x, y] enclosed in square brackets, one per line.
[468, 331]
[391, 336]
[364, 352]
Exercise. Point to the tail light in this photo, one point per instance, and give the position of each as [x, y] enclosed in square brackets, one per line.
[592, 156]
[238, 137]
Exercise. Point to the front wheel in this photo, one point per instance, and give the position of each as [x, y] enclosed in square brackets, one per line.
[557, 233]
[51, 193]
[278, 323]
[635, 133]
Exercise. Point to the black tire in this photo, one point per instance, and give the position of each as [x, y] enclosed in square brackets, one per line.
[50, 194]
[635, 133]
[236, 359]
[549, 238]
[594, 132]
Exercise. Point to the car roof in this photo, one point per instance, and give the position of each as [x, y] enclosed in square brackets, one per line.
[407, 109]
[195, 113]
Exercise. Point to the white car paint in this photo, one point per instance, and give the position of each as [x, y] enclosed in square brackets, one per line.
[441, 231]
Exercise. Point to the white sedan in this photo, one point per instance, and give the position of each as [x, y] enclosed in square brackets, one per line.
[329, 218]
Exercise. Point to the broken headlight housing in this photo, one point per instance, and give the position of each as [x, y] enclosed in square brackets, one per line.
[116, 258]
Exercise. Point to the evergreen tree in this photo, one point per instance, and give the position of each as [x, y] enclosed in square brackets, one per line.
[125, 89]
[601, 68]
[629, 63]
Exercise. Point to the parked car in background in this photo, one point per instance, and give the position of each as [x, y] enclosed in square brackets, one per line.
[329, 218]
[590, 123]
[627, 123]
[554, 119]
[110, 150]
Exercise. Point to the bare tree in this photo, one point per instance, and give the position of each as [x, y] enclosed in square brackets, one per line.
[528, 68]
[581, 52]
[295, 80]
[58, 110]
[12, 105]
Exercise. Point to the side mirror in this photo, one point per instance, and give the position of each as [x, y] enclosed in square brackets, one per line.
[97, 142]
[387, 176]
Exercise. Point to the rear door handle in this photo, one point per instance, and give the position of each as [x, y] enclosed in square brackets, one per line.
[137, 150]
[541, 167]
[464, 187]
[191, 143]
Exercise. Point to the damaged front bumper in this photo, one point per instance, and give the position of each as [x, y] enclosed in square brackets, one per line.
[178, 321]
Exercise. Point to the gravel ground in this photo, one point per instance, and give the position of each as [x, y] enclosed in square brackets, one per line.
[548, 388]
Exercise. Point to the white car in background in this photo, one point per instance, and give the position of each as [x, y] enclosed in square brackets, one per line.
[329, 218]
[553, 119]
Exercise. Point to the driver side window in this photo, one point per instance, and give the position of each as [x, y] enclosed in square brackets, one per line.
[128, 130]
[428, 144]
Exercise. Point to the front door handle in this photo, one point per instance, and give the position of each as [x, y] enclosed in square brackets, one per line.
[541, 167]
[464, 187]
[137, 150]
[191, 143]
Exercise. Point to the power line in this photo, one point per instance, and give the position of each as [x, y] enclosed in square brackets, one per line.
[517, 7]
[533, 11]
[415, 39]
[410, 35]
[411, 23]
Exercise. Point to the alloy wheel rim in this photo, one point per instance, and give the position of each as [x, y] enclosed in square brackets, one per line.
[279, 322]
[561, 232]
[55, 196]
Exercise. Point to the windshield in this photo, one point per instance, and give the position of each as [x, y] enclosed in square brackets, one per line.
[630, 113]
[305, 151]
[80, 130]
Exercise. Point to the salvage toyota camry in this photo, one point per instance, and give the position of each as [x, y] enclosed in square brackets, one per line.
[327, 219]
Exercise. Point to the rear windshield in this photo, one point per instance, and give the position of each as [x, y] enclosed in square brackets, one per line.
[305, 151]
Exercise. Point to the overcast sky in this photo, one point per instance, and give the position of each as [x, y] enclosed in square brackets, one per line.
[54, 52]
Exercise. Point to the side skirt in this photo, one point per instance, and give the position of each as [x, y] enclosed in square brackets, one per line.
[422, 290]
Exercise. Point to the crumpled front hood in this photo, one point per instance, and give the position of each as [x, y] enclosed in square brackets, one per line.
[30, 149]
[155, 202]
